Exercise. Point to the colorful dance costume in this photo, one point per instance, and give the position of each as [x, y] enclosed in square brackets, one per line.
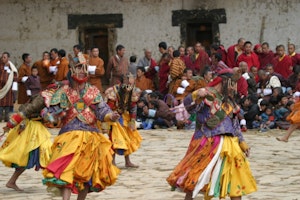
[81, 155]
[214, 162]
[28, 142]
[123, 99]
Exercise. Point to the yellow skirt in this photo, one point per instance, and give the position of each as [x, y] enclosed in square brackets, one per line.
[124, 140]
[81, 159]
[28, 148]
[216, 166]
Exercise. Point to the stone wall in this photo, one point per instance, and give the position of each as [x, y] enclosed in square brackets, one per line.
[37, 25]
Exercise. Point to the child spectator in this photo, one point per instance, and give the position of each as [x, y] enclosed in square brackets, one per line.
[33, 84]
[282, 123]
[267, 120]
[262, 106]
[281, 108]
[148, 123]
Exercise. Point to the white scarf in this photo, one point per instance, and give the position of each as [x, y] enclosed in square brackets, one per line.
[9, 82]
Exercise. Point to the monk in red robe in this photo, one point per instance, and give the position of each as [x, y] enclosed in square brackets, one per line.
[201, 59]
[266, 56]
[163, 73]
[294, 56]
[282, 63]
[233, 52]
[249, 56]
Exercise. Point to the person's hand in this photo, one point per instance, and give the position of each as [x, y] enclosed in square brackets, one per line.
[114, 116]
[131, 125]
[247, 152]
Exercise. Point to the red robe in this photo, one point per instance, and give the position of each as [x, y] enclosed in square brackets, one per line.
[250, 59]
[163, 77]
[295, 58]
[242, 87]
[283, 65]
[200, 62]
[151, 71]
[232, 57]
[265, 58]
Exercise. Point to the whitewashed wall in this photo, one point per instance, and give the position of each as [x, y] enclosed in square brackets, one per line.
[37, 25]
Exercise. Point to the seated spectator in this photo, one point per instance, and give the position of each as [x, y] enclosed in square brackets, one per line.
[281, 110]
[250, 110]
[249, 78]
[267, 120]
[242, 85]
[254, 71]
[269, 87]
[141, 81]
[163, 117]
[283, 81]
[294, 78]
[148, 122]
[217, 63]
[184, 85]
[281, 122]
[205, 79]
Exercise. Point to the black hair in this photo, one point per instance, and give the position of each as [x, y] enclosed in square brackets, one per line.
[33, 67]
[215, 47]
[163, 45]
[206, 70]
[8, 54]
[94, 47]
[141, 68]
[218, 56]
[247, 42]
[187, 69]
[265, 43]
[132, 59]
[296, 69]
[54, 50]
[24, 56]
[154, 103]
[45, 52]
[176, 54]
[153, 95]
[119, 47]
[253, 98]
[62, 53]
[78, 46]
[289, 103]
[264, 103]
[280, 46]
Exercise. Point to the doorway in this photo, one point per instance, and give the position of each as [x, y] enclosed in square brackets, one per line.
[199, 32]
[98, 37]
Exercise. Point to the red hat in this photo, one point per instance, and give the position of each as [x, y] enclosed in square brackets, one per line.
[256, 47]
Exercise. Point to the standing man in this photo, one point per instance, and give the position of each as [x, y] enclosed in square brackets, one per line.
[95, 68]
[266, 57]
[24, 72]
[62, 66]
[54, 61]
[249, 56]
[43, 68]
[8, 85]
[282, 63]
[162, 47]
[201, 59]
[234, 52]
[294, 56]
[117, 68]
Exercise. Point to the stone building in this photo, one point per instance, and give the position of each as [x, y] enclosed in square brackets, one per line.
[34, 26]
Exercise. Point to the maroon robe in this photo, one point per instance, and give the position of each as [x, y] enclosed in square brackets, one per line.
[283, 66]
[265, 58]
[200, 62]
[151, 71]
[232, 56]
[295, 59]
[242, 87]
[163, 73]
[250, 59]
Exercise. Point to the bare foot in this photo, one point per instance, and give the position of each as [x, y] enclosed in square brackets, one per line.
[13, 186]
[131, 165]
[281, 139]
